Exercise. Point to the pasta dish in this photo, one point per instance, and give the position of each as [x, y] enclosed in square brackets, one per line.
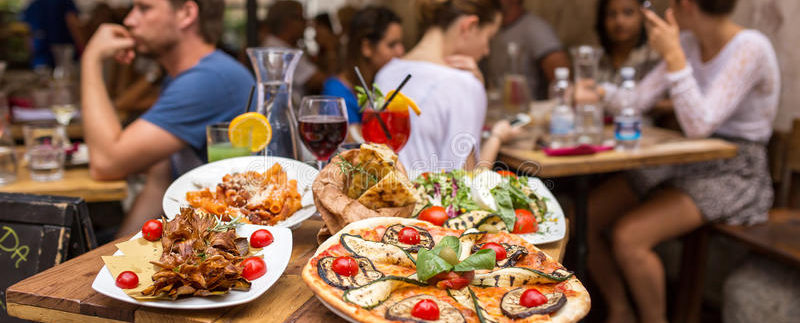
[253, 197]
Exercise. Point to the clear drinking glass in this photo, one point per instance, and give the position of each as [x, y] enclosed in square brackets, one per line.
[219, 144]
[44, 146]
[8, 160]
[322, 124]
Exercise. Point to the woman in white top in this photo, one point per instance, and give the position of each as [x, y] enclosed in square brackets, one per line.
[724, 82]
[447, 86]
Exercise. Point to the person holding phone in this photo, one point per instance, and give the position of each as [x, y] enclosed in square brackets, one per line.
[724, 82]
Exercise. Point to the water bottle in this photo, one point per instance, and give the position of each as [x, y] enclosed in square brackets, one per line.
[562, 119]
[627, 122]
[561, 88]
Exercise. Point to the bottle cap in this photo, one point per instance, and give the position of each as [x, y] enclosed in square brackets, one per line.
[627, 73]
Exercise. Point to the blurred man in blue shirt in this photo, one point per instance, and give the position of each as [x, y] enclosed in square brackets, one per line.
[203, 86]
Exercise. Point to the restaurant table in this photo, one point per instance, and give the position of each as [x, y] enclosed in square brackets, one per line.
[64, 292]
[76, 183]
[657, 147]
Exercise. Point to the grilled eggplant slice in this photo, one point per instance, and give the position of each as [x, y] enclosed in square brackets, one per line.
[466, 220]
[378, 291]
[377, 251]
[467, 298]
[401, 311]
[519, 276]
[468, 240]
[513, 254]
[494, 221]
[511, 308]
[366, 273]
[392, 233]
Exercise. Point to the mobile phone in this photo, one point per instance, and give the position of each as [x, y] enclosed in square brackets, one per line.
[520, 120]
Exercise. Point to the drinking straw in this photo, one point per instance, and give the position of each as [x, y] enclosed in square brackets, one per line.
[372, 103]
[249, 99]
[402, 84]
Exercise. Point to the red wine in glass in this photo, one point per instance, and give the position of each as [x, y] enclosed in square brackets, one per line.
[397, 122]
[322, 134]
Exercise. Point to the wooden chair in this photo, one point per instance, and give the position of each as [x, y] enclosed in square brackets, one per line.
[778, 238]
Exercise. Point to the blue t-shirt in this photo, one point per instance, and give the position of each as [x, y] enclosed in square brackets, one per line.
[334, 87]
[47, 19]
[214, 90]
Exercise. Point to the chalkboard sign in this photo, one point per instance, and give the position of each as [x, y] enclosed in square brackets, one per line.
[38, 232]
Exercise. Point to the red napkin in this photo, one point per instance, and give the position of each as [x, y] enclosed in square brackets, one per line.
[575, 151]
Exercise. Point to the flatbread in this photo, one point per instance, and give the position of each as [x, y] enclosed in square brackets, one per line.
[391, 191]
[576, 307]
[378, 161]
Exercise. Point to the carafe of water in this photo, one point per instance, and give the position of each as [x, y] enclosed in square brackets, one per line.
[274, 68]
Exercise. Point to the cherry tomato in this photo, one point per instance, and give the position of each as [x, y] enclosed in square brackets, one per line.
[526, 222]
[408, 235]
[426, 309]
[151, 230]
[261, 238]
[426, 175]
[532, 298]
[254, 267]
[505, 173]
[345, 266]
[499, 251]
[452, 280]
[434, 214]
[127, 280]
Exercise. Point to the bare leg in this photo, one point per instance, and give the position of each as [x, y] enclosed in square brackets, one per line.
[668, 214]
[148, 204]
[607, 203]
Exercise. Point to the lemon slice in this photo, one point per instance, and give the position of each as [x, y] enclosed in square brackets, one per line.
[401, 103]
[250, 129]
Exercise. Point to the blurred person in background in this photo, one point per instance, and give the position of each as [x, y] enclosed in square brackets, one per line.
[286, 25]
[376, 37]
[327, 40]
[540, 50]
[620, 28]
[447, 86]
[203, 86]
[724, 81]
[52, 22]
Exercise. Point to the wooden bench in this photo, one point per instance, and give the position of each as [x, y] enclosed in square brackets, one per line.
[778, 238]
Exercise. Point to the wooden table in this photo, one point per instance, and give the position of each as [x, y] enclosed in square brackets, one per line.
[49, 297]
[657, 147]
[76, 183]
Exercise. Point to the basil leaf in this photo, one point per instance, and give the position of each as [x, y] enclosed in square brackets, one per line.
[451, 242]
[505, 207]
[429, 265]
[483, 259]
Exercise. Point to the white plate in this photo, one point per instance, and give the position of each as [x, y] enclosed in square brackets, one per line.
[336, 311]
[209, 175]
[276, 256]
[554, 227]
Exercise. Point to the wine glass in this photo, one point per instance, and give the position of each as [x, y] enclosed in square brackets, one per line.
[322, 123]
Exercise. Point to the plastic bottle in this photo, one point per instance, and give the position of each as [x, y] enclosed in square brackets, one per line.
[562, 119]
[627, 122]
[561, 86]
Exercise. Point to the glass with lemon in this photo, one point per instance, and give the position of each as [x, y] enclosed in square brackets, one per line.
[395, 116]
[246, 134]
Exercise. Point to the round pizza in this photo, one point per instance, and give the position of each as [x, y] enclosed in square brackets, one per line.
[396, 269]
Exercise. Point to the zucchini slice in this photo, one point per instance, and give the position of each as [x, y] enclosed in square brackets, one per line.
[466, 220]
[519, 276]
[401, 311]
[513, 254]
[378, 291]
[467, 298]
[511, 308]
[391, 236]
[468, 240]
[377, 251]
[494, 221]
[366, 273]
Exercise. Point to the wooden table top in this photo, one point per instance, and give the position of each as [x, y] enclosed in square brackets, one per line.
[76, 183]
[657, 147]
[49, 297]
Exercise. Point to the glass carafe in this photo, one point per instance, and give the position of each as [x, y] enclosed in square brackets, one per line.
[274, 68]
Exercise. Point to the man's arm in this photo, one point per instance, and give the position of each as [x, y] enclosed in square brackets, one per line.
[550, 62]
[115, 153]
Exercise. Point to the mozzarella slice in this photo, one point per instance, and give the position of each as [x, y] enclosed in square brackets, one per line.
[481, 189]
